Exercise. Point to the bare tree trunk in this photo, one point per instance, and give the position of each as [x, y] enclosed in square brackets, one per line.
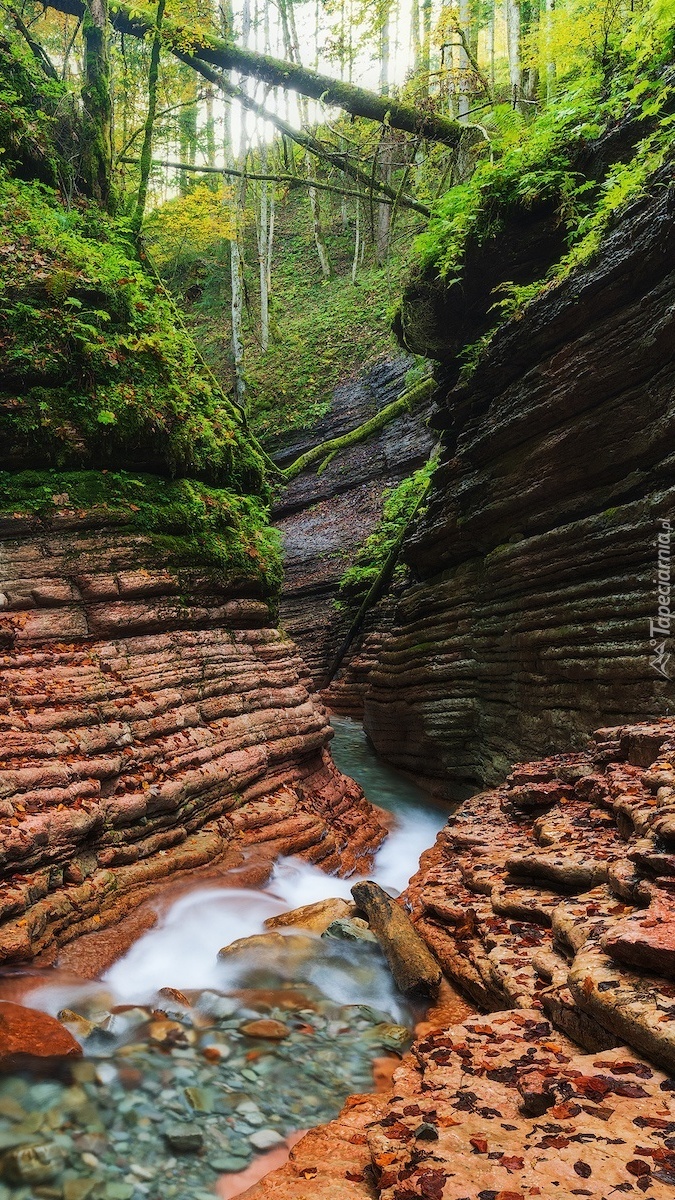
[236, 280]
[415, 43]
[550, 62]
[513, 39]
[464, 64]
[293, 53]
[491, 46]
[426, 43]
[357, 242]
[385, 51]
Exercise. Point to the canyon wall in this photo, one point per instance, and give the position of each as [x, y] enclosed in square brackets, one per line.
[154, 721]
[323, 519]
[537, 557]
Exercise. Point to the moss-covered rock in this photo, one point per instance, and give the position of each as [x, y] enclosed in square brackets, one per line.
[96, 369]
[190, 524]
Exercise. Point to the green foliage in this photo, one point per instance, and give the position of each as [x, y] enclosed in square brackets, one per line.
[398, 506]
[322, 333]
[193, 525]
[191, 225]
[95, 370]
[36, 116]
[600, 49]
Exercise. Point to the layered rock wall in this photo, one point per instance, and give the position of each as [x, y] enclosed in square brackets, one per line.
[537, 558]
[153, 720]
[324, 518]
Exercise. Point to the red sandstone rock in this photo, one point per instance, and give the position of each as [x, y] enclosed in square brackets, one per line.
[29, 1038]
[151, 725]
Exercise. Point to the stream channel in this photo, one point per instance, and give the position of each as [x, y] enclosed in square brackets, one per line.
[175, 1094]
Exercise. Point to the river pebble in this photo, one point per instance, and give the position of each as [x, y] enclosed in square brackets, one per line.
[158, 1113]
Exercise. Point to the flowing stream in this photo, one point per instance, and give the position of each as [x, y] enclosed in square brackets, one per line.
[166, 1103]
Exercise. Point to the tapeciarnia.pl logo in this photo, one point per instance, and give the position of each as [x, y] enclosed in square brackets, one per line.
[659, 628]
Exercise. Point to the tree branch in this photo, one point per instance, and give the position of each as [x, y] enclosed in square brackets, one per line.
[306, 140]
[328, 450]
[292, 181]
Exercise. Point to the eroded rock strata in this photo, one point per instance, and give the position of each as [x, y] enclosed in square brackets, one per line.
[550, 902]
[153, 721]
[536, 560]
[323, 518]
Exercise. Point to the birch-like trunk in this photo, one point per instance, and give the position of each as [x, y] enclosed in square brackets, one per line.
[464, 64]
[513, 40]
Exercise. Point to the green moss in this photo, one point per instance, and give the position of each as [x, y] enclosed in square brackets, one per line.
[36, 117]
[192, 525]
[95, 370]
[398, 506]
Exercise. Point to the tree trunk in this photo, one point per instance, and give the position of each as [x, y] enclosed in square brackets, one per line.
[97, 133]
[319, 149]
[415, 970]
[357, 241]
[290, 76]
[293, 53]
[464, 64]
[263, 254]
[146, 151]
[426, 44]
[415, 43]
[385, 51]
[513, 38]
[550, 61]
[187, 130]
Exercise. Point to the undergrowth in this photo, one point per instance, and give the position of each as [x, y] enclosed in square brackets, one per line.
[398, 506]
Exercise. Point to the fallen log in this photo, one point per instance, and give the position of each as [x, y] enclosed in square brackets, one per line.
[415, 970]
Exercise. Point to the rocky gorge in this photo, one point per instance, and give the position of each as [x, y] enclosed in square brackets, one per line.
[534, 567]
[249, 948]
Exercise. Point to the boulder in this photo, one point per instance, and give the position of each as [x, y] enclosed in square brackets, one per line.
[32, 1039]
[314, 917]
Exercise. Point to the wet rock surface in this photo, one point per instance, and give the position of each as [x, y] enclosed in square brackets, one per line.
[324, 518]
[150, 725]
[541, 903]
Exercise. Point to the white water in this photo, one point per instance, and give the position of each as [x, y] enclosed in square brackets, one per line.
[181, 952]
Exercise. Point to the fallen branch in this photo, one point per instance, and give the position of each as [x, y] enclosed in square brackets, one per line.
[300, 137]
[415, 970]
[290, 181]
[327, 450]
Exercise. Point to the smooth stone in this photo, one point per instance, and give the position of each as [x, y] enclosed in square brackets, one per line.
[201, 1099]
[28, 1036]
[228, 1164]
[215, 1005]
[265, 1139]
[314, 917]
[184, 1137]
[33, 1164]
[78, 1189]
[265, 1028]
[115, 1190]
[347, 930]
